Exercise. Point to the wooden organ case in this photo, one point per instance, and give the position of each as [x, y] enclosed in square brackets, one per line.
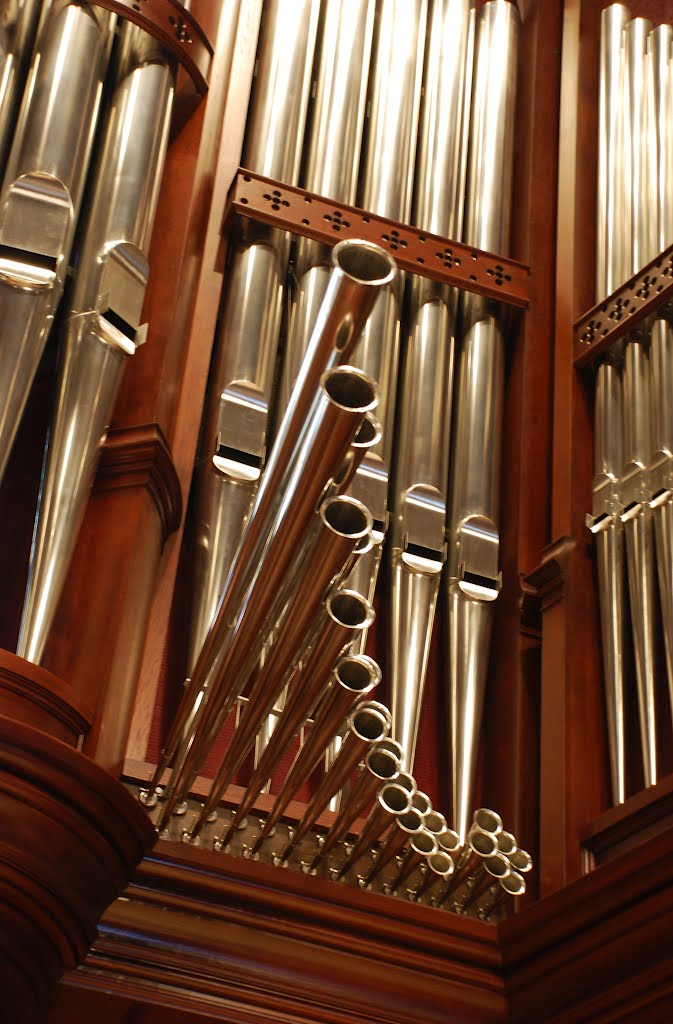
[192, 933]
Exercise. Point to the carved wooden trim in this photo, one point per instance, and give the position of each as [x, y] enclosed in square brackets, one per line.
[175, 28]
[141, 457]
[253, 943]
[70, 837]
[32, 695]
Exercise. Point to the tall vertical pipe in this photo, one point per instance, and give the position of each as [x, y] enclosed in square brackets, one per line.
[103, 324]
[473, 576]
[419, 496]
[612, 234]
[385, 188]
[635, 483]
[236, 421]
[661, 344]
[17, 32]
[42, 192]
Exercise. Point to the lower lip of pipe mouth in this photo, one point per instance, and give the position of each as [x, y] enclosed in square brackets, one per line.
[364, 261]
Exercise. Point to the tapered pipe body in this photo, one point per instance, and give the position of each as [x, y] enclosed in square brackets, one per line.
[391, 803]
[103, 323]
[17, 32]
[360, 269]
[234, 645]
[660, 139]
[344, 614]
[421, 846]
[366, 724]
[407, 823]
[385, 188]
[235, 433]
[661, 352]
[354, 676]
[439, 867]
[473, 575]
[42, 192]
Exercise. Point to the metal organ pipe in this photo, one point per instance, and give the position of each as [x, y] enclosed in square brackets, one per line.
[17, 33]
[42, 191]
[473, 576]
[419, 496]
[240, 390]
[102, 326]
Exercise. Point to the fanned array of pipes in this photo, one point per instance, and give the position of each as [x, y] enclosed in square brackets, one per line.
[632, 514]
[56, 57]
[403, 108]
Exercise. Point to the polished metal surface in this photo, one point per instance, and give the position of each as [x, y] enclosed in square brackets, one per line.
[385, 188]
[360, 270]
[234, 439]
[355, 675]
[421, 457]
[640, 148]
[421, 845]
[613, 227]
[661, 355]
[18, 24]
[103, 321]
[473, 574]
[660, 47]
[305, 459]
[391, 804]
[42, 191]
[407, 823]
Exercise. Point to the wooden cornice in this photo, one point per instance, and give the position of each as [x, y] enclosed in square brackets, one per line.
[141, 457]
[246, 941]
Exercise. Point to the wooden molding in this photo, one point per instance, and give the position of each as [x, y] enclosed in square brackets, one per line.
[32, 695]
[140, 456]
[71, 836]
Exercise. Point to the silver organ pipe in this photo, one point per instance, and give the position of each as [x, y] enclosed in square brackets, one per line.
[18, 23]
[42, 191]
[103, 320]
[419, 496]
[473, 573]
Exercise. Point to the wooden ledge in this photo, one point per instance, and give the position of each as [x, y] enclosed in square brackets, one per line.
[38, 698]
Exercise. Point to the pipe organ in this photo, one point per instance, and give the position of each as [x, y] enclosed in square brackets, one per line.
[392, 644]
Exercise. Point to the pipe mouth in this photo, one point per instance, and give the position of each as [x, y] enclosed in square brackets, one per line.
[440, 863]
[434, 822]
[521, 861]
[368, 724]
[449, 841]
[350, 389]
[350, 609]
[407, 780]
[497, 865]
[411, 820]
[393, 798]
[421, 802]
[482, 843]
[514, 884]
[424, 842]
[358, 673]
[347, 516]
[383, 764]
[487, 820]
[364, 262]
[506, 843]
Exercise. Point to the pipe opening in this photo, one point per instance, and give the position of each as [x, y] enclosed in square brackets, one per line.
[368, 724]
[449, 841]
[382, 764]
[394, 799]
[497, 866]
[434, 822]
[368, 433]
[347, 517]
[392, 746]
[349, 609]
[487, 820]
[350, 389]
[421, 802]
[514, 884]
[520, 860]
[424, 842]
[483, 843]
[440, 863]
[364, 262]
[410, 821]
[355, 675]
[506, 843]
[406, 780]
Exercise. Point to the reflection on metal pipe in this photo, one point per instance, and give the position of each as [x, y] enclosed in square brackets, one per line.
[662, 477]
[42, 191]
[421, 845]
[354, 676]
[473, 576]
[103, 323]
[368, 723]
[419, 499]
[240, 390]
[360, 269]
[392, 803]
[408, 822]
[18, 24]
[439, 867]
[511, 885]
[234, 645]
